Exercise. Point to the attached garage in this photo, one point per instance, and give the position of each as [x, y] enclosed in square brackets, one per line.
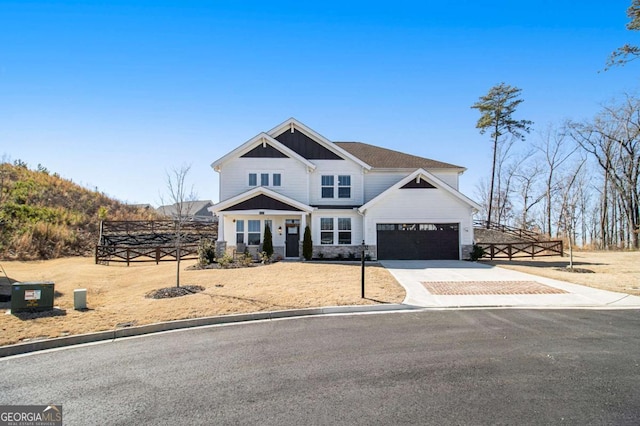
[418, 241]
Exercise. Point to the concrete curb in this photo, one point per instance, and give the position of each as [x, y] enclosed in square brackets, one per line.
[58, 342]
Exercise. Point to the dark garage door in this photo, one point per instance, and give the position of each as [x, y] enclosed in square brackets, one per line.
[418, 241]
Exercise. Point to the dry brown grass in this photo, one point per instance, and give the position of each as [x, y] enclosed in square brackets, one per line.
[116, 293]
[612, 270]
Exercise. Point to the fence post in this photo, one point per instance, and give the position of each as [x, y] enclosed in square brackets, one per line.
[157, 255]
[509, 246]
[128, 249]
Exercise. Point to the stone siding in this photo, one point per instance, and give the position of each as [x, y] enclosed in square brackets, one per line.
[347, 252]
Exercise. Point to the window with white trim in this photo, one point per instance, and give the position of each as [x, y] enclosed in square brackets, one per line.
[327, 186]
[275, 178]
[344, 186]
[329, 233]
[239, 231]
[326, 230]
[332, 185]
[344, 230]
[253, 235]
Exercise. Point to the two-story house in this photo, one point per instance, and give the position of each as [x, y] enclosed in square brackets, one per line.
[402, 206]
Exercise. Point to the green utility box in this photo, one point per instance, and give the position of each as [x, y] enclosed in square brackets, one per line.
[32, 296]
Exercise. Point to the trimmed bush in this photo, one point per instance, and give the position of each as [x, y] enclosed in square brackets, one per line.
[307, 244]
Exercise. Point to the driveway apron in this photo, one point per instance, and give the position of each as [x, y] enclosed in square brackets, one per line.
[455, 283]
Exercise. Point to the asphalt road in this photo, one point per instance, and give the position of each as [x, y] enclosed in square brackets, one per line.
[436, 367]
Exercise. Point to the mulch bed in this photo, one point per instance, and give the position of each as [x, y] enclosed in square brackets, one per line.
[464, 288]
[165, 293]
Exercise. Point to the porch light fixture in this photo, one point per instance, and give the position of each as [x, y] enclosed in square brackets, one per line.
[279, 230]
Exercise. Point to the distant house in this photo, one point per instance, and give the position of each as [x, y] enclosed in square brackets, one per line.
[402, 206]
[195, 210]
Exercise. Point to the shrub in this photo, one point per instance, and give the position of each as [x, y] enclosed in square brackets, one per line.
[477, 253]
[246, 260]
[206, 252]
[352, 255]
[307, 244]
[224, 261]
[265, 258]
[267, 244]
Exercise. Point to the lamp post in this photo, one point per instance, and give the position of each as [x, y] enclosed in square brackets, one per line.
[364, 247]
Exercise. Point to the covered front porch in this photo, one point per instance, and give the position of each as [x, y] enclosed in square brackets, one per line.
[242, 221]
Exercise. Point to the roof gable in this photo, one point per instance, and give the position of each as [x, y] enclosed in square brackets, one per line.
[264, 151]
[417, 176]
[308, 135]
[251, 148]
[305, 146]
[261, 198]
[262, 202]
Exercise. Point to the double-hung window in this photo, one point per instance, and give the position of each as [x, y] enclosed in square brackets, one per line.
[239, 231]
[326, 230]
[253, 179]
[277, 179]
[253, 235]
[327, 186]
[344, 186]
[264, 179]
[344, 230]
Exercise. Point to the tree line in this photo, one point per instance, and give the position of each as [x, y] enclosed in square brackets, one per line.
[577, 180]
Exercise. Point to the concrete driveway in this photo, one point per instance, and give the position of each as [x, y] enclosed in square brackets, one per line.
[454, 283]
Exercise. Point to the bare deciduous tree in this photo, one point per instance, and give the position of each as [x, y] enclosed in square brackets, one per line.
[182, 197]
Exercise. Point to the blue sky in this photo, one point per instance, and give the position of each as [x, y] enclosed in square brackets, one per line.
[113, 94]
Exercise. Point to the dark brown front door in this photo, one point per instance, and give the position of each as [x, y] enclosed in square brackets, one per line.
[292, 238]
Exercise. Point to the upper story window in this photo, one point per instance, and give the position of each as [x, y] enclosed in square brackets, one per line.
[329, 188]
[265, 178]
[344, 186]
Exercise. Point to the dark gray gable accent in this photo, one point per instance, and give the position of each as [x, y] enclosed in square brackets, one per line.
[261, 202]
[305, 146]
[266, 151]
[421, 184]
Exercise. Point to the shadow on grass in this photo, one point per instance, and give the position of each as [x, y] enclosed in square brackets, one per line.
[29, 315]
[376, 300]
[539, 264]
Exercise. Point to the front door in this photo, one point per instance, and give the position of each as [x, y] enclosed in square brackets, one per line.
[293, 238]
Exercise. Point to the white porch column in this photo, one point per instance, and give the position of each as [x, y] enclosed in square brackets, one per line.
[220, 227]
[303, 223]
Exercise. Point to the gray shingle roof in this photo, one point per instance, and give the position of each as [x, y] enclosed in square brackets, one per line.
[384, 158]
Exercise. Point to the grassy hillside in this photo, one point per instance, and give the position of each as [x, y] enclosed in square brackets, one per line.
[43, 216]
